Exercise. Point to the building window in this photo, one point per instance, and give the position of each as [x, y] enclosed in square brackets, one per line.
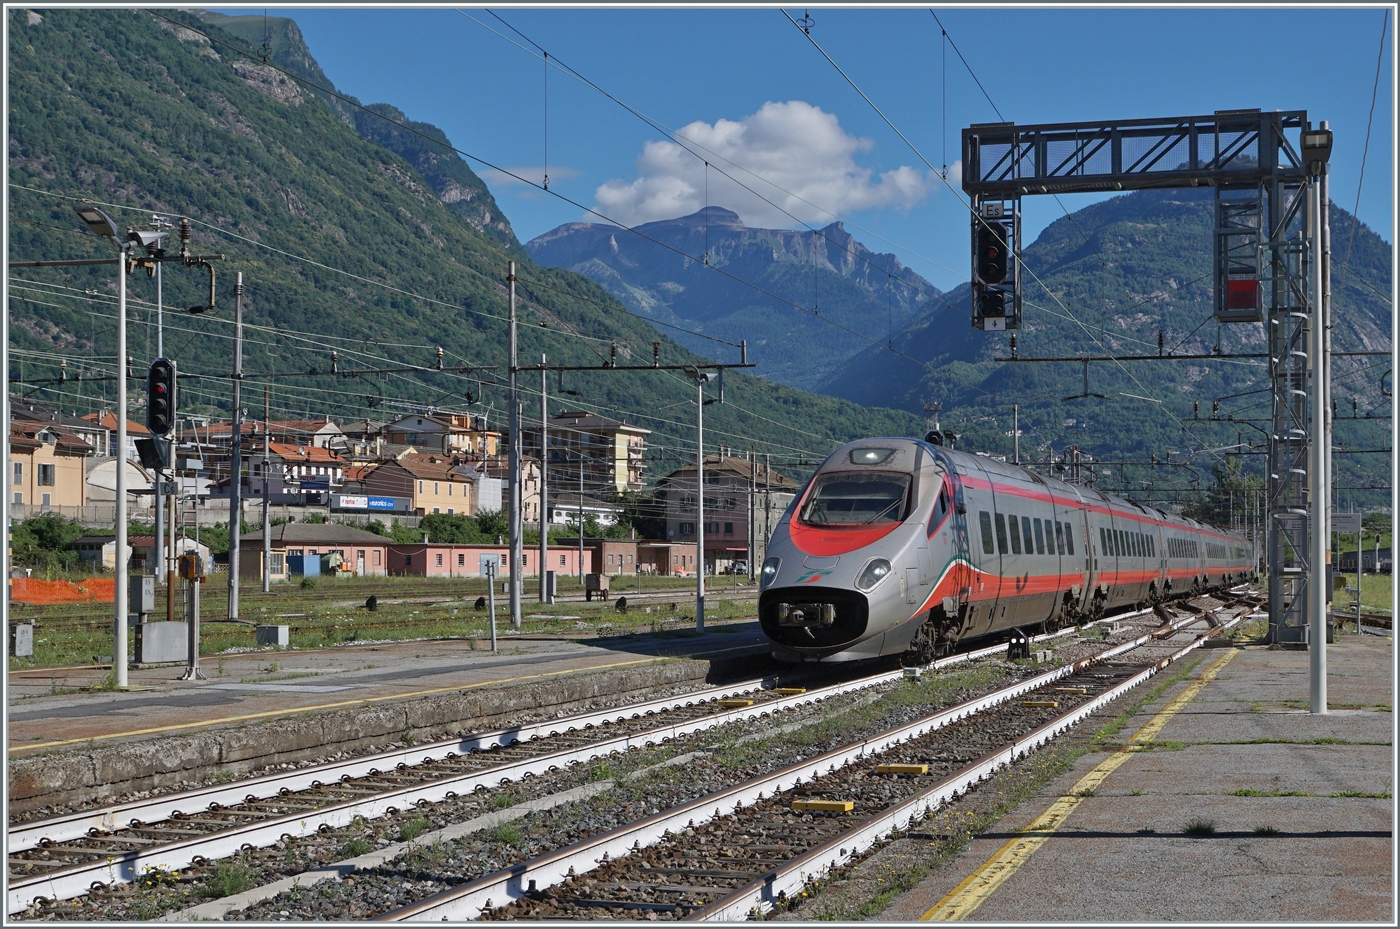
[420, 487]
[46, 475]
[435, 488]
[610, 558]
[436, 510]
[277, 564]
[439, 561]
[687, 529]
[375, 558]
[449, 509]
[729, 527]
[503, 561]
[47, 500]
[408, 561]
[19, 498]
[449, 493]
[561, 561]
[19, 472]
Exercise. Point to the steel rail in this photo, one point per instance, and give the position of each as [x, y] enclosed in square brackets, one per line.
[786, 880]
[469, 900]
[126, 867]
[65, 883]
[23, 836]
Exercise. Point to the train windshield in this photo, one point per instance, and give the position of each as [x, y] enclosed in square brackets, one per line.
[845, 498]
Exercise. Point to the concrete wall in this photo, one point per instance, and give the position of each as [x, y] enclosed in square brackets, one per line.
[110, 770]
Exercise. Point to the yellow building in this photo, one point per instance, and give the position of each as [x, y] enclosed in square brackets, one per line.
[47, 466]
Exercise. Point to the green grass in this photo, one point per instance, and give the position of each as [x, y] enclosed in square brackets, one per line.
[507, 833]
[333, 613]
[413, 829]
[356, 846]
[1200, 827]
[231, 876]
[1377, 591]
[1265, 830]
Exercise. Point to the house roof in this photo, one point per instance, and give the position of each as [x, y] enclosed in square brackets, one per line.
[590, 422]
[431, 467]
[320, 533]
[738, 466]
[108, 420]
[25, 434]
[34, 412]
[309, 454]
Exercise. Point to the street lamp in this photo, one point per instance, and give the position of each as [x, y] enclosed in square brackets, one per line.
[100, 224]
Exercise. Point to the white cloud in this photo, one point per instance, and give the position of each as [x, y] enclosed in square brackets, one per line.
[794, 145]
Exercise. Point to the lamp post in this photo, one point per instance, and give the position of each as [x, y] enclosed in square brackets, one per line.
[100, 224]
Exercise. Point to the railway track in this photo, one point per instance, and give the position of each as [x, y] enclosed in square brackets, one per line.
[747, 847]
[62, 858]
[58, 858]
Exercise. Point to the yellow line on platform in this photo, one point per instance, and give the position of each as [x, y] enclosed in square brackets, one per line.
[327, 706]
[983, 882]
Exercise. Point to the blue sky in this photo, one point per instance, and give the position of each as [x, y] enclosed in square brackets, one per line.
[749, 86]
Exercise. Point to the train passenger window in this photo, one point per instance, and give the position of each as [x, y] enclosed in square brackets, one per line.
[859, 499]
[1039, 538]
[1120, 540]
[1133, 543]
[1142, 545]
[1015, 536]
[1026, 534]
[1103, 540]
[1069, 538]
[1060, 538]
[985, 519]
[1001, 534]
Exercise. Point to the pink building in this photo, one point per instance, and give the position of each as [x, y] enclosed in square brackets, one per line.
[447, 559]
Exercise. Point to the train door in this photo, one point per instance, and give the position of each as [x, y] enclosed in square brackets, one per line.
[1079, 525]
[986, 557]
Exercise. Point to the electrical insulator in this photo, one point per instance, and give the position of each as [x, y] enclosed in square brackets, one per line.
[1196, 409]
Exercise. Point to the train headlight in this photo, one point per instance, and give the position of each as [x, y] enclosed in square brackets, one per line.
[769, 573]
[874, 573]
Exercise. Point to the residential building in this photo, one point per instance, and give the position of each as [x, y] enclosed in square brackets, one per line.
[90, 432]
[448, 433]
[293, 469]
[105, 433]
[343, 549]
[734, 488]
[675, 559]
[47, 466]
[442, 559]
[610, 452]
[564, 508]
[432, 483]
[499, 468]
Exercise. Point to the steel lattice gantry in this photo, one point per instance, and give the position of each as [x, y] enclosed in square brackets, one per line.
[1266, 170]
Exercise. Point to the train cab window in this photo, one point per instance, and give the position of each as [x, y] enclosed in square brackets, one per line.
[1039, 538]
[1069, 538]
[1060, 538]
[940, 510]
[1015, 535]
[1001, 534]
[985, 519]
[843, 498]
[1026, 534]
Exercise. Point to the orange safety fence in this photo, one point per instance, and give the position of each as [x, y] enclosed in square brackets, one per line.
[36, 591]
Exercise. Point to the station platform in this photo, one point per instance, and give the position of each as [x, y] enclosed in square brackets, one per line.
[253, 709]
[1222, 799]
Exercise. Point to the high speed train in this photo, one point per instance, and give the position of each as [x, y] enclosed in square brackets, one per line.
[903, 547]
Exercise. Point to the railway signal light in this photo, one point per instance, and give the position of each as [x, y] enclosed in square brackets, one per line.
[160, 397]
[991, 253]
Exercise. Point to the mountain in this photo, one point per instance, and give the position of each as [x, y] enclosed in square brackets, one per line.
[1126, 269]
[691, 272]
[358, 243]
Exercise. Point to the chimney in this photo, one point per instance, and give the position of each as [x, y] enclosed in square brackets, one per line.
[425, 538]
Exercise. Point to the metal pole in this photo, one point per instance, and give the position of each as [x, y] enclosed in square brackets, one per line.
[267, 490]
[515, 489]
[491, 599]
[159, 497]
[235, 490]
[121, 564]
[192, 672]
[767, 502]
[1317, 468]
[545, 596]
[170, 553]
[1016, 430]
[1359, 534]
[580, 509]
[753, 488]
[699, 505]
